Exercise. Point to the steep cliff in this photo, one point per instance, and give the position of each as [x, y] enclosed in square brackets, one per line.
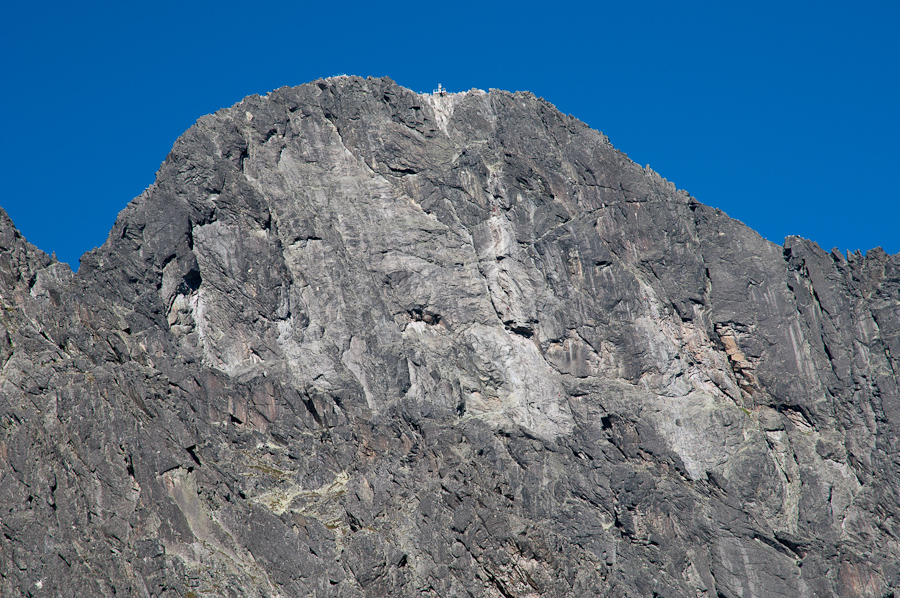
[357, 341]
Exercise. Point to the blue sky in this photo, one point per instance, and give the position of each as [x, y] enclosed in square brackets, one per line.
[784, 115]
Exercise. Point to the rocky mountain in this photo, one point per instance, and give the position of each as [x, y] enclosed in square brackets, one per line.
[358, 341]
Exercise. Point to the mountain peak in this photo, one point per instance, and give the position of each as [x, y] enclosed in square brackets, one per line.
[361, 341]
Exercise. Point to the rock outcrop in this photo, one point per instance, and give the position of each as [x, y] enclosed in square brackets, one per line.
[358, 341]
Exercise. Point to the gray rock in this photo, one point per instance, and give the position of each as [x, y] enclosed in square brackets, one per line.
[357, 341]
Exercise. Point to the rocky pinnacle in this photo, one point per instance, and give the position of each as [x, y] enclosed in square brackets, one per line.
[357, 341]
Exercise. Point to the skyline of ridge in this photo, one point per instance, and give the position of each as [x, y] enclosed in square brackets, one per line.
[787, 124]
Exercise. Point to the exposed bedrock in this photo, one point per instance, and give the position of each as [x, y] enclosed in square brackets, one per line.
[358, 341]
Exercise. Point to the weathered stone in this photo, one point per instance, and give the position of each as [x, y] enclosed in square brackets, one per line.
[357, 341]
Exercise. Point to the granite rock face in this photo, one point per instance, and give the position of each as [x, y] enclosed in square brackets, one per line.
[357, 341]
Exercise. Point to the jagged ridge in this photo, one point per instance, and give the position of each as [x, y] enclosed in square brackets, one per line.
[360, 341]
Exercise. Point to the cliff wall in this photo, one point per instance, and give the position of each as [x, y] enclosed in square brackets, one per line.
[357, 341]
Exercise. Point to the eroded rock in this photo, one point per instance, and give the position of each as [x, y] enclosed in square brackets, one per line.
[357, 341]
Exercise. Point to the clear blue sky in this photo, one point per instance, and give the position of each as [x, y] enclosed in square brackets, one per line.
[783, 114]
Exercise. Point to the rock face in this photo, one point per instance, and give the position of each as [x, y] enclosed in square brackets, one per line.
[356, 341]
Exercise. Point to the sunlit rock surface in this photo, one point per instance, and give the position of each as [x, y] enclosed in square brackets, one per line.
[358, 341]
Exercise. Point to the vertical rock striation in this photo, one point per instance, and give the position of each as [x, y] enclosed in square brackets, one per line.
[357, 341]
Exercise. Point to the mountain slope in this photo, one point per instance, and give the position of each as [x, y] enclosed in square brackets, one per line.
[356, 341]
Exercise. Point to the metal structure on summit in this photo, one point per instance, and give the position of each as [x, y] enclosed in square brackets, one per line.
[440, 91]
